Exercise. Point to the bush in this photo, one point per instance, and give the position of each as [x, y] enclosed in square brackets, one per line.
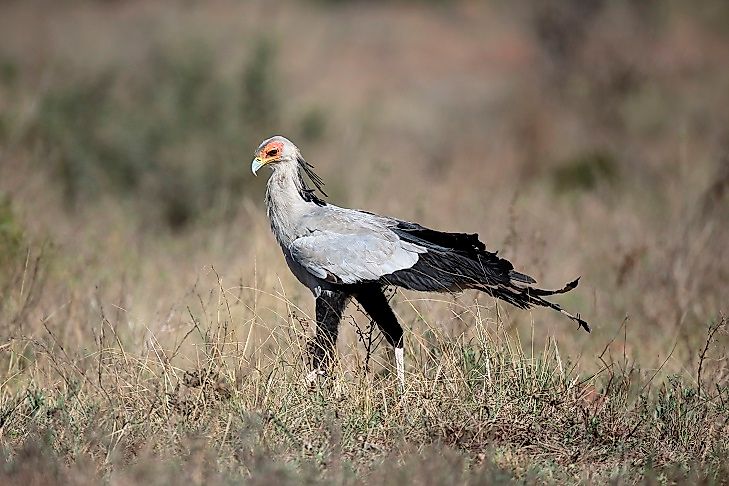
[585, 171]
[169, 135]
[11, 238]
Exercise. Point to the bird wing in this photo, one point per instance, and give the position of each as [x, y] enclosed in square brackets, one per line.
[351, 247]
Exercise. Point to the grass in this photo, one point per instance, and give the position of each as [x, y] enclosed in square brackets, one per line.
[218, 406]
[151, 330]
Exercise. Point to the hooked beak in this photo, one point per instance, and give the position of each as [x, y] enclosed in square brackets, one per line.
[256, 164]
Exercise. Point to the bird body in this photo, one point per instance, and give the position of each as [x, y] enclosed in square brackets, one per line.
[340, 253]
[334, 245]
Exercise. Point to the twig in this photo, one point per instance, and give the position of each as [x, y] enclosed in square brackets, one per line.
[713, 329]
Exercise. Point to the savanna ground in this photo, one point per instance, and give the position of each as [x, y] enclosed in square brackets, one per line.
[151, 331]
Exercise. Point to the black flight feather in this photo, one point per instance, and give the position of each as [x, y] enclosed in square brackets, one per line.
[459, 261]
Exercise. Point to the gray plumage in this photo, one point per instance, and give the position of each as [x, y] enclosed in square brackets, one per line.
[346, 252]
[326, 245]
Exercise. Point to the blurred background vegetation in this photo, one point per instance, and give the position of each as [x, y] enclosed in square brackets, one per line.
[579, 137]
[147, 115]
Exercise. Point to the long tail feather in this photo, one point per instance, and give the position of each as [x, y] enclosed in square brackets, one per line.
[520, 277]
[542, 292]
[459, 261]
[527, 297]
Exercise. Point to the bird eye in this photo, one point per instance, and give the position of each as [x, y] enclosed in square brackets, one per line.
[272, 152]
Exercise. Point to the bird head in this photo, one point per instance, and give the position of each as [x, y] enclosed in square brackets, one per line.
[279, 151]
[273, 151]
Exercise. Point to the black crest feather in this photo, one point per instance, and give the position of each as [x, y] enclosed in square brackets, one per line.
[308, 193]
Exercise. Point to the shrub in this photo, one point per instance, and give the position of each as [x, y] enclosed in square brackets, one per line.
[167, 135]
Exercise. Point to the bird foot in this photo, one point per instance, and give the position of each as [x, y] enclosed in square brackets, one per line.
[313, 376]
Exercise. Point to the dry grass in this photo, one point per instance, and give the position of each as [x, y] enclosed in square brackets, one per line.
[222, 405]
[151, 330]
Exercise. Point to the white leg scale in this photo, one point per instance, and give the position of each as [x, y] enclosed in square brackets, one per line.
[400, 366]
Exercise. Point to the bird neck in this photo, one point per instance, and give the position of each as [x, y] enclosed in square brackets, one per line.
[285, 204]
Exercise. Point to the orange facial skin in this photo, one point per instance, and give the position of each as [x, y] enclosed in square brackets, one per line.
[271, 151]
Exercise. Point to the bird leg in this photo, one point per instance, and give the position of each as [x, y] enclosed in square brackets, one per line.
[312, 376]
[329, 308]
[375, 303]
[400, 366]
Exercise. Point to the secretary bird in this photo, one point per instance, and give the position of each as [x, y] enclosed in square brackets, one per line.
[340, 253]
